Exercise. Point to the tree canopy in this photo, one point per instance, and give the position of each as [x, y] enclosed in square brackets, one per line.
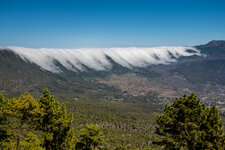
[21, 116]
[27, 123]
[90, 138]
[187, 124]
[55, 122]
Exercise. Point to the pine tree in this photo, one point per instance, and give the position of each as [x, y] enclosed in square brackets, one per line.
[55, 123]
[22, 116]
[90, 138]
[4, 104]
[212, 135]
[187, 124]
[31, 142]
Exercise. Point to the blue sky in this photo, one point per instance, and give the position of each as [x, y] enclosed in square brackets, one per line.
[110, 23]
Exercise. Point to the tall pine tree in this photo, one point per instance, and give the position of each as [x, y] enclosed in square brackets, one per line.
[91, 138]
[55, 123]
[187, 124]
[4, 105]
[22, 116]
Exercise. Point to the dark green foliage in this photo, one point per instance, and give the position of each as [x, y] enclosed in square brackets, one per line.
[90, 138]
[187, 124]
[4, 104]
[21, 115]
[44, 124]
[126, 124]
[26, 123]
[55, 123]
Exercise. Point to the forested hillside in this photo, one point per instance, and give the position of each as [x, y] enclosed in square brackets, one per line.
[200, 73]
[28, 123]
[120, 107]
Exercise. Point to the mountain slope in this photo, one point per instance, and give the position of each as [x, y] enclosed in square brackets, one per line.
[16, 75]
[213, 48]
[187, 72]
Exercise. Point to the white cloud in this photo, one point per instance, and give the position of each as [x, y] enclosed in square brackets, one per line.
[96, 58]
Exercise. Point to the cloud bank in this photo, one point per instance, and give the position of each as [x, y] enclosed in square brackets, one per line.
[97, 58]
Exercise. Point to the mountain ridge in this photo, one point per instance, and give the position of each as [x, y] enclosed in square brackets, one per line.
[202, 74]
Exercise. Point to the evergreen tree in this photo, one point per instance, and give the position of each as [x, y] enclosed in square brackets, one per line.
[4, 104]
[187, 124]
[91, 138]
[55, 123]
[31, 142]
[22, 116]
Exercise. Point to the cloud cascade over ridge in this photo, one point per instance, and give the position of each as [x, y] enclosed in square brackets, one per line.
[96, 58]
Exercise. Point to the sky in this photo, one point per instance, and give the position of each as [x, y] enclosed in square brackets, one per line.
[110, 23]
